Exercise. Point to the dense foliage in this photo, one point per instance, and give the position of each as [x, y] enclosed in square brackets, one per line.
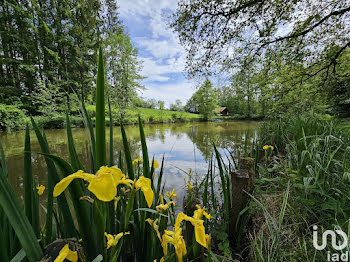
[48, 55]
[279, 57]
[204, 100]
[11, 117]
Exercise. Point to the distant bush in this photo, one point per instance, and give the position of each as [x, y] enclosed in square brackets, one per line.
[49, 122]
[11, 117]
[76, 121]
[91, 109]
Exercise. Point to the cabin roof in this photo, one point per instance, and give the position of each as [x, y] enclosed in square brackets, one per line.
[220, 109]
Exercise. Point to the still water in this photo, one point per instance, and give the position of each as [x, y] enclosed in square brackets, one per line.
[184, 146]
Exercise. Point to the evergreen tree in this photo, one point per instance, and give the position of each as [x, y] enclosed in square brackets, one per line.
[122, 70]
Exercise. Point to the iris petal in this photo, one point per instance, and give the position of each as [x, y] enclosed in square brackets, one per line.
[103, 187]
[66, 253]
[64, 183]
[144, 184]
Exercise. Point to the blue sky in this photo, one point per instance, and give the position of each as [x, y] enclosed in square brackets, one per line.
[159, 49]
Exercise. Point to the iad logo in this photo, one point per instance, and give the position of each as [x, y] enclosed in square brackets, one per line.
[335, 244]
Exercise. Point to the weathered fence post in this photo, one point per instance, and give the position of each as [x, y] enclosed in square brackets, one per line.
[242, 181]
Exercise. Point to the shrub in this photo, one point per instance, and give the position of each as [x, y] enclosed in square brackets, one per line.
[11, 117]
[49, 122]
[91, 109]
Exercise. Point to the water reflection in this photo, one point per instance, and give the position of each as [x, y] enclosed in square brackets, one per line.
[184, 146]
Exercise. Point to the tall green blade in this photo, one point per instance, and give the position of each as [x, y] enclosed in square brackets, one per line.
[19, 221]
[74, 159]
[35, 213]
[89, 127]
[212, 184]
[111, 220]
[3, 246]
[205, 193]
[146, 170]
[28, 178]
[53, 179]
[50, 186]
[223, 182]
[159, 182]
[127, 153]
[3, 165]
[100, 114]
[111, 149]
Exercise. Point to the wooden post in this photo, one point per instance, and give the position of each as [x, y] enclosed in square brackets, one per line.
[242, 181]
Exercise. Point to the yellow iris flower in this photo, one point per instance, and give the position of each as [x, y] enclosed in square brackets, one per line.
[140, 160]
[189, 186]
[103, 185]
[164, 207]
[66, 253]
[175, 237]
[155, 164]
[144, 184]
[137, 160]
[155, 226]
[116, 200]
[266, 147]
[199, 229]
[40, 189]
[200, 212]
[171, 195]
[112, 240]
[208, 241]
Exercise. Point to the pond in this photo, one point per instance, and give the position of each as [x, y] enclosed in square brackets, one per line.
[184, 145]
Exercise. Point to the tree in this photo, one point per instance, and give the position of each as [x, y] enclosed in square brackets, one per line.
[338, 88]
[233, 98]
[161, 104]
[192, 104]
[123, 70]
[177, 106]
[50, 45]
[228, 32]
[205, 100]
[150, 103]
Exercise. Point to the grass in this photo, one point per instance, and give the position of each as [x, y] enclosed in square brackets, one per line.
[148, 116]
[311, 163]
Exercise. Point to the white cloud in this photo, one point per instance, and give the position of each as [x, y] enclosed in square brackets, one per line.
[156, 70]
[160, 48]
[169, 92]
[144, 7]
[162, 55]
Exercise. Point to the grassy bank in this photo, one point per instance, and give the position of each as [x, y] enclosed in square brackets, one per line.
[16, 119]
[303, 182]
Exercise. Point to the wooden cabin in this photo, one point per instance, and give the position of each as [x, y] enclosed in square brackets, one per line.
[222, 111]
